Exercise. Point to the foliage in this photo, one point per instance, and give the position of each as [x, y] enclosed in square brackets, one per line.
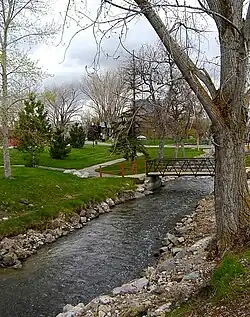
[49, 193]
[126, 130]
[77, 136]
[32, 130]
[59, 148]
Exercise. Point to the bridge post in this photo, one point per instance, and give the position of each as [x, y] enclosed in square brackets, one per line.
[152, 182]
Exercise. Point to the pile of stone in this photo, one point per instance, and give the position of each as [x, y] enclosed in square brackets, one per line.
[182, 270]
[78, 173]
[16, 249]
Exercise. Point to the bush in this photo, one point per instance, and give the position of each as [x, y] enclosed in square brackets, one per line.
[77, 136]
[59, 148]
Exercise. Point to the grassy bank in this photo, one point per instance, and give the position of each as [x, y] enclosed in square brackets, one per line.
[228, 294]
[35, 196]
[140, 161]
[78, 158]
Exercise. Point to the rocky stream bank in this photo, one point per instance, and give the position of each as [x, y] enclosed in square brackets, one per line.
[183, 268]
[14, 250]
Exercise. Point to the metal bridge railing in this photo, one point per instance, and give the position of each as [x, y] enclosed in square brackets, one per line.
[181, 166]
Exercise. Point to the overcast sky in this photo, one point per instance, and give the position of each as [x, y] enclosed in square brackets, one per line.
[68, 64]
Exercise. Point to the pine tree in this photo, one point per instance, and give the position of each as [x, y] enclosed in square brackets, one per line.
[126, 131]
[32, 130]
[59, 148]
[93, 133]
[77, 136]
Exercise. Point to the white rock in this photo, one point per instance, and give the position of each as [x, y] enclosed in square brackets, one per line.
[140, 188]
[77, 173]
[105, 206]
[84, 175]
[83, 219]
[105, 299]
[110, 202]
[69, 171]
[181, 239]
[67, 308]
[133, 287]
[163, 309]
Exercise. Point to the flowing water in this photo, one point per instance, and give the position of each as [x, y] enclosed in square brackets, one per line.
[109, 251]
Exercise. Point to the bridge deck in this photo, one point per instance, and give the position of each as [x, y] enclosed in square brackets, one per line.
[181, 167]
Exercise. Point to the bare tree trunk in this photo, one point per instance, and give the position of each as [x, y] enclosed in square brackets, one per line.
[198, 141]
[5, 130]
[183, 149]
[161, 149]
[6, 154]
[176, 149]
[231, 190]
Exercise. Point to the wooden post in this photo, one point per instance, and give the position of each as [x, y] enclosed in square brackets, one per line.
[122, 170]
[100, 170]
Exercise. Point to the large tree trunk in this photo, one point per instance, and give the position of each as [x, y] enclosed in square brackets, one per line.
[6, 154]
[231, 190]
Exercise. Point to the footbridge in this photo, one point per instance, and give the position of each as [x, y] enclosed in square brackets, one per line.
[181, 167]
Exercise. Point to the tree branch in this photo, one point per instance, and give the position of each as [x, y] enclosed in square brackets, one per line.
[188, 69]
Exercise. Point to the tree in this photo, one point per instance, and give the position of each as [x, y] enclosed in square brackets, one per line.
[19, 30]
[77, 136]
[63, 103]
[32, 130]
[107, 92]
[125, 131]
[225, 101]
[93, 133]
[59, 148]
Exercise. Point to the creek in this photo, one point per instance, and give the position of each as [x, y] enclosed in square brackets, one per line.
[107, 252]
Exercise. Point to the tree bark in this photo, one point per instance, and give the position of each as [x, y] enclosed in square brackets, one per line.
[4, 121]
[198, 141]
[183, 149]
[6, 154]
[161, 149]
[176, 150]
[231, 190]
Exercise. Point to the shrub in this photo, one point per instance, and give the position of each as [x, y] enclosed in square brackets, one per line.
[59, 148]
[77, 136]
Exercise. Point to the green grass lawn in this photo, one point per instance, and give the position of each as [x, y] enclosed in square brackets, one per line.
[129, 169]
[47, 194]
[78, 158]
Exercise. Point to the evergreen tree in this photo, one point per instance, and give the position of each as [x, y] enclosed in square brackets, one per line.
[77, 136]
[32, 130]
[59, 148]
[125, 132]
[93, 133]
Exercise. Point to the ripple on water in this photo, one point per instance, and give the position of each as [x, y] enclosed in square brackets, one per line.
[109, 251]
